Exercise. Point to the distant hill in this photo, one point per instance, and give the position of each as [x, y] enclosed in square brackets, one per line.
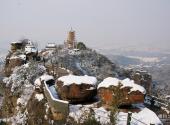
[123, 60]
[156, 63]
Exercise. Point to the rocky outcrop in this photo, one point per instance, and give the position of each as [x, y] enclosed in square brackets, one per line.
[87, 62]
[144, 79]
[21, 52]
[113, 91]
[76, 88]
[12, 62]
[39, 82]
[140, 77]
[37, 111]
[16, 46]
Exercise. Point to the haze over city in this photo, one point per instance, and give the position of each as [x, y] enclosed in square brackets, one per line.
[98, 23]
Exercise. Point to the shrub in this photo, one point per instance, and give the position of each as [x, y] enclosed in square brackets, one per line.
[81, 46]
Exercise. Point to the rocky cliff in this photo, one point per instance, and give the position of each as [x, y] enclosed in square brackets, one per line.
[23, 102]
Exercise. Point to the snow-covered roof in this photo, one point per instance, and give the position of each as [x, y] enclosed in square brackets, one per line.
[30, 49]
[70, 79]
[51, 45]
[110, 81]
[16, 42]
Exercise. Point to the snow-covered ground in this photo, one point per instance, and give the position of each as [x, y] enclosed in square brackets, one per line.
[80, 113]
[144, 117]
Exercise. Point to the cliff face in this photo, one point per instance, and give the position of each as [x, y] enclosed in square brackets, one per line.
[13, 60]
[19, 54]
[140, 77]
[113, 91]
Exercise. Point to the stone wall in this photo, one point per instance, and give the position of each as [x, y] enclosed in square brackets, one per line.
[59, 109]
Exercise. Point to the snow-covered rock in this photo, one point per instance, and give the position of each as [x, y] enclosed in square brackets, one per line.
[12, 62]
[120, 92]
[110, 81]
[37, 82]
[76, 88]
[23, 76]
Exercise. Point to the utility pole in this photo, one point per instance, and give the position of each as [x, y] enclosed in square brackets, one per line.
[129, 118]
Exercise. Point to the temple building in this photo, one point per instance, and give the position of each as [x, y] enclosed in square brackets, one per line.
[70, 43]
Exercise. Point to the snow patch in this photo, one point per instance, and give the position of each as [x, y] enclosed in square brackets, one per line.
[70, 79]
[37, 82]
[39, 97]
[79, 112]
[20, 101]
[46, 77]
[146, 116]
[102, 115]
[110, 81]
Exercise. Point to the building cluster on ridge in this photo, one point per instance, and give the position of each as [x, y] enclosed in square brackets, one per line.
[70, 42]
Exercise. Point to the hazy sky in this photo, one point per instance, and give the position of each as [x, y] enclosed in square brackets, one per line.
[98, 23]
